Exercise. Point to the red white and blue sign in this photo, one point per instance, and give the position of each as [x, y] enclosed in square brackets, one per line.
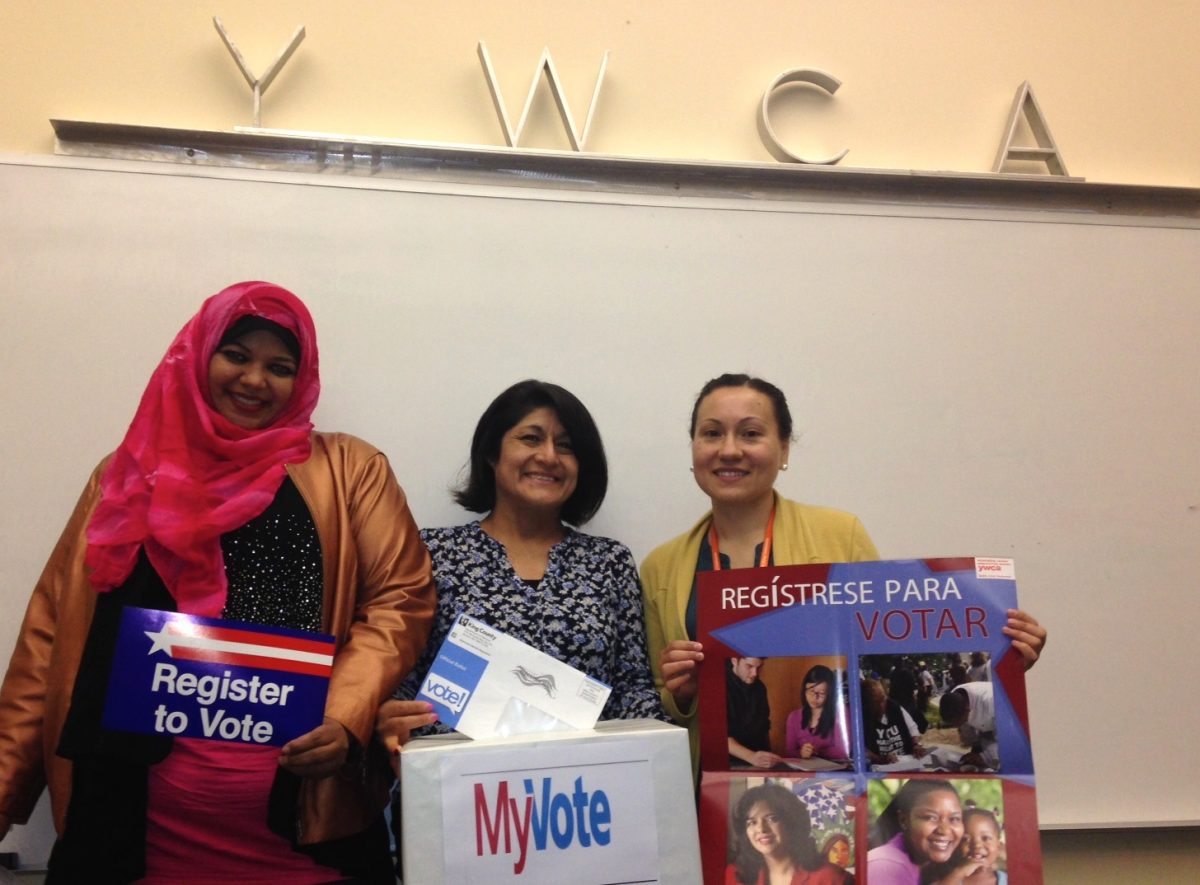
[190, 676]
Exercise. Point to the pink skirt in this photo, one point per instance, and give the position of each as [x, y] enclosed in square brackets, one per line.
[207, 820]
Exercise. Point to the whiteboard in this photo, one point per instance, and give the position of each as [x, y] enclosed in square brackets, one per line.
[967, 382]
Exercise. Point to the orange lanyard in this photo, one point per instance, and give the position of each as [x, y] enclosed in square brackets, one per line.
[764, 558]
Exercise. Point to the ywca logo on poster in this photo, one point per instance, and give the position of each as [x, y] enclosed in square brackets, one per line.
[585, 824]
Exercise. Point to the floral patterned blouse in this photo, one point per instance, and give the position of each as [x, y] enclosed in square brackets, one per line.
[586, 610]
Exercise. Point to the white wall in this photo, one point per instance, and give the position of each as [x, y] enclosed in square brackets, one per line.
[971, 383]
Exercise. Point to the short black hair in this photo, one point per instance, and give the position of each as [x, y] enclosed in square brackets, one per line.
[953, 705]
[970, 811]
[478, 493]
[783, 415]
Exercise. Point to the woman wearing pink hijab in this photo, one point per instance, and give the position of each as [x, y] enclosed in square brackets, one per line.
[221, 501]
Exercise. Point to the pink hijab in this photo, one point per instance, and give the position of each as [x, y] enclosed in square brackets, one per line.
[184, 475]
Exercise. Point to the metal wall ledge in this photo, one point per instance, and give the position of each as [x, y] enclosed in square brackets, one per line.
[332, 155]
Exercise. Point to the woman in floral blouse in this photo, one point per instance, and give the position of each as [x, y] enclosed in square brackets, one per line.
[537, 469]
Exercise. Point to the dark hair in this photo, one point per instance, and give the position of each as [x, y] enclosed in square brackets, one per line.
[248, 323]
[478, 494]
[783, 416]
[953, 704]
[793, 821]
[834, 839]
[971, 811]
[820, 674]
[905, 799]
[866, 687]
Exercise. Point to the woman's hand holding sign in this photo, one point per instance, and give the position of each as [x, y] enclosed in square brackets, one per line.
[1027, 635]
[319, 753]
[678, 666]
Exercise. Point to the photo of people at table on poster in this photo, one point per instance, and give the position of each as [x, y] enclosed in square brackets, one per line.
[928, 712]
[788, 712]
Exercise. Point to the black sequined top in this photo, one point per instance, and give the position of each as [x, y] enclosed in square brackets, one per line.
[273, 566]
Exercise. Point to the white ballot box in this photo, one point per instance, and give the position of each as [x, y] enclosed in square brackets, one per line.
[613, 804]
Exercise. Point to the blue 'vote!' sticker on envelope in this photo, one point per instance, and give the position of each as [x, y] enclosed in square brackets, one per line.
[485, 683]
[189, 676]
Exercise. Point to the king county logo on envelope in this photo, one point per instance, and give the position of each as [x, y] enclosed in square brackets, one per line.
[485, 683]
[209, 678]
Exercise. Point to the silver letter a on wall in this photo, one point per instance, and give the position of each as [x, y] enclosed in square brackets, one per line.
[1045, 151]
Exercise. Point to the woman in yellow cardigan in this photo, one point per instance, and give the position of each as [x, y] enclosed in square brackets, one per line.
[741, 429]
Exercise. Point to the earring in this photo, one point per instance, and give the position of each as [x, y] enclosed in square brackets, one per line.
[693, 469]
[783, 466]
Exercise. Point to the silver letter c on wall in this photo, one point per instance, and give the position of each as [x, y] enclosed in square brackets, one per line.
[812, 77]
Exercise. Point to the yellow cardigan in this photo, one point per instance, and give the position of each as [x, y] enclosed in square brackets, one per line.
[802, 534]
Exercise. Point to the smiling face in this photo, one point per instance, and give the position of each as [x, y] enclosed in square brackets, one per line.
[839, 853]
[736, 446]
[536, 467]
[764, 829]
[982, 839]
[934, 826]
[250, 379]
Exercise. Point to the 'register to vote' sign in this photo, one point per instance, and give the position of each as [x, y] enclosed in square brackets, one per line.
[190, 676]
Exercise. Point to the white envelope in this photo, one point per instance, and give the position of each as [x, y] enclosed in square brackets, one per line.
[484, 683]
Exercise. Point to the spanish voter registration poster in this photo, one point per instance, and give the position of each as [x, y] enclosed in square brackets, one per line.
[841, 697]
